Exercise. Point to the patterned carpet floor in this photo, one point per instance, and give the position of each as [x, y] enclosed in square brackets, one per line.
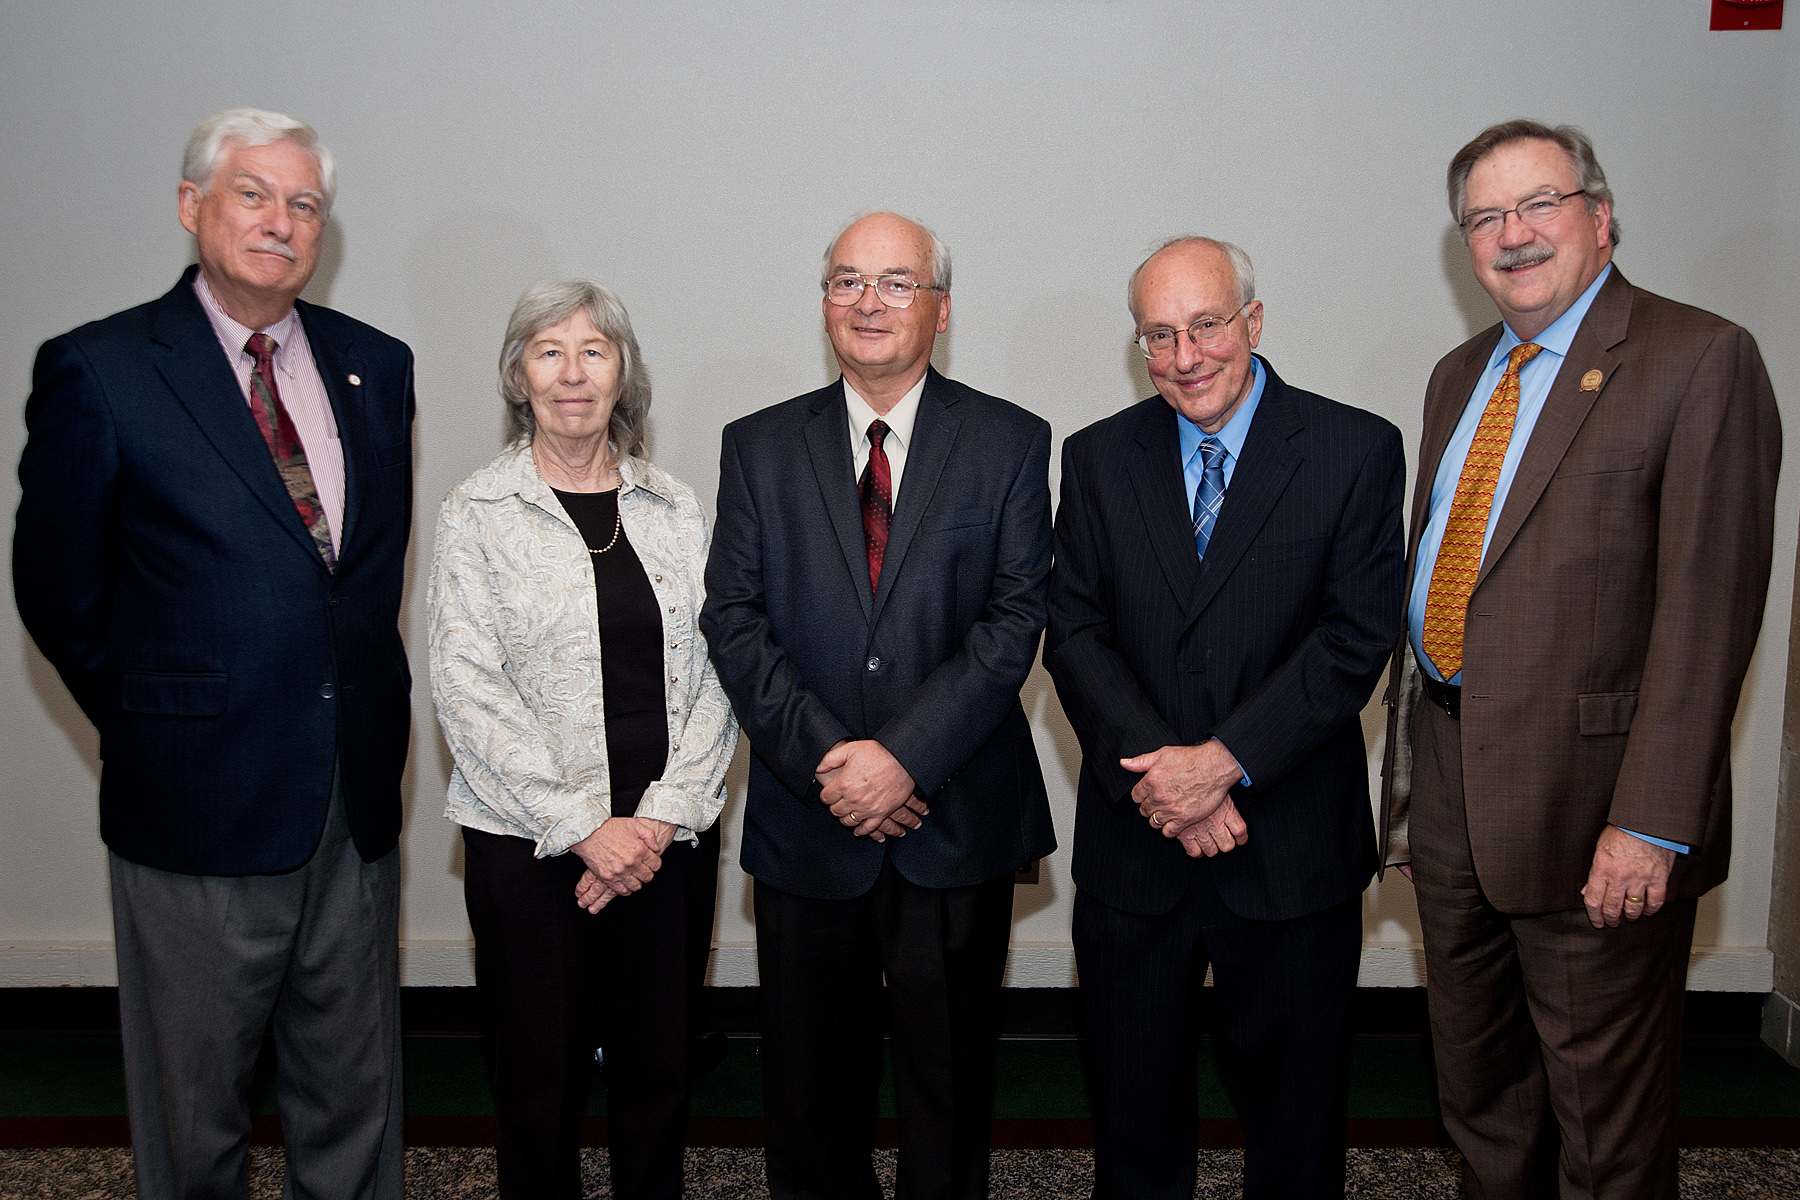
[463, 1173]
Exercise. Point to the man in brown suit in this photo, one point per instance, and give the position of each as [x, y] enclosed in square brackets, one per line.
[1589, 550]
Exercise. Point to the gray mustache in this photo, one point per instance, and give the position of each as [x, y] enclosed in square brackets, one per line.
[1522, 256]
[281, 248]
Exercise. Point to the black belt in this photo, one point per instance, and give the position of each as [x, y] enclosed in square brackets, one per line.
[1446, 696]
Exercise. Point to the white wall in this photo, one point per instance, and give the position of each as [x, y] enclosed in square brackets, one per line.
[698, 159]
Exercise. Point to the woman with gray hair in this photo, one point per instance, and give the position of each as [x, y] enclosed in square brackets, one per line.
[590, 739]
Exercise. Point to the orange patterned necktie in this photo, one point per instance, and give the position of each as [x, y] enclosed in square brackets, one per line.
[1459, 553]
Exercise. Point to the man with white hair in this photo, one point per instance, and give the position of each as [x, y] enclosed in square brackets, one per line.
[1226, 587]
[215, 501]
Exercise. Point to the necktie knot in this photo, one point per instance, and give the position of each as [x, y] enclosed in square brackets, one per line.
[878, 430]
[1521, 354]
[261, 347]
[1212, 453]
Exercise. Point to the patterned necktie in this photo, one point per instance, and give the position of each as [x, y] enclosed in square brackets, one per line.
[1459, 552]
[1209, 497]
[877, 501]
[284, 445]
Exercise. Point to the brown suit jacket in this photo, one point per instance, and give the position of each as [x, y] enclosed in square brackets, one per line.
[1617, 606]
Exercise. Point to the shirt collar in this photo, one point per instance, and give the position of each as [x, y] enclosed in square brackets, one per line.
[899, 419]
[1236, 430]
[232, 334]
[1557, 336]
[514, 473]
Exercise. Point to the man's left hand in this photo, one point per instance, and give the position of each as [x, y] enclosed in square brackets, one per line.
[862, 781]
[1629, 879]
[1183, 785]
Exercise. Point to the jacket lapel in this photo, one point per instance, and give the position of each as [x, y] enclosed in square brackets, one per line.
[337, 362]
[1257, 482]
[828, 447]
[934, 433]
[188, 357]
[1161, 495]
[1565, 408]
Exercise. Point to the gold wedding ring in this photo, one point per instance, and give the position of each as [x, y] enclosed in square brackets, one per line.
[1156, 820]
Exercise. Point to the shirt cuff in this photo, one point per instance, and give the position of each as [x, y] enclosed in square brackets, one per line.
[1677, 847]
[1245, 781]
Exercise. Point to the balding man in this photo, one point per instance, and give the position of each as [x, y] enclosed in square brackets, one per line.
[1227, 583]
[874, 600]
[215, 499]
[1591, 533]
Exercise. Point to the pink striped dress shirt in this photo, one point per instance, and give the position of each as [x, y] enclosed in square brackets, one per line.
[302, 394]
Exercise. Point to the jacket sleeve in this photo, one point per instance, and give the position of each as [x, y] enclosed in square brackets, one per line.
[65, 542]
[959, 705]
[789, 727]
[495, 739]
[691, 791]
[1329, 677]
[1714, 537]
[1112, 716]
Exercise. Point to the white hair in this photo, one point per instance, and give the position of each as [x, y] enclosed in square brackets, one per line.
[252, 127]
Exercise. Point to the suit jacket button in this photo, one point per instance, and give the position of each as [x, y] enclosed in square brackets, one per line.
[874, 664]
[326, 691]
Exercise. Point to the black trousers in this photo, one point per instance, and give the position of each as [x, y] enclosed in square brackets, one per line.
[1282, 992]
[821, 962]
[554, 982]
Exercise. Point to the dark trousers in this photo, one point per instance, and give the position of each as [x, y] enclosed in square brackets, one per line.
[1558, 1045]
[556, 981]
[821, 964]
[1282, 993]
[207, 965]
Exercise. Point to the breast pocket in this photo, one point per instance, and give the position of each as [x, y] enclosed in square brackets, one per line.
[959, 518]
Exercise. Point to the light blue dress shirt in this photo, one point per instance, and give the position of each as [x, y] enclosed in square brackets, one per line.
[1535, 379]
[1231, 436]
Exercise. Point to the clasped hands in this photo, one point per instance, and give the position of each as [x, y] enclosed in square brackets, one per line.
[868, 791]
[1185, 793]
[621, 856]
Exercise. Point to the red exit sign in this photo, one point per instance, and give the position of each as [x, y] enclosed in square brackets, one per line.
[1746, 14]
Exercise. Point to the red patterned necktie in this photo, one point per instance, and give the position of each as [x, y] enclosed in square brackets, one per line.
[1459, 551]
[283, 440]
[877, 501]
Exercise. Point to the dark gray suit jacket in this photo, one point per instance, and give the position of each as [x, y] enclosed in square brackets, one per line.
[930, 666]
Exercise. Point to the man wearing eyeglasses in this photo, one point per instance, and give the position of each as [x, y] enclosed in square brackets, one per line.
[1591, 533]
[875, 593]
[1226, 590]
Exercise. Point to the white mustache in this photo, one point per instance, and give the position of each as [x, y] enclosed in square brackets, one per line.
[281, 248]
[1522, 256]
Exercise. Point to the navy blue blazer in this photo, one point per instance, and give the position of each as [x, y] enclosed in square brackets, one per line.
[1273, 645]
[160, 566]
[931, 666]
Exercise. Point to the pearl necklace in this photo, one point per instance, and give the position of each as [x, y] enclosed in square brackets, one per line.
[618, 523]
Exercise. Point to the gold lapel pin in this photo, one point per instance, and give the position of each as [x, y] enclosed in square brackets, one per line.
[356, 380]
[1590, 382]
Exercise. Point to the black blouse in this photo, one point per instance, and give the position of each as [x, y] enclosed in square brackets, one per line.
[631, 659]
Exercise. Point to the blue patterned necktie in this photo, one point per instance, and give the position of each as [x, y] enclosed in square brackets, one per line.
[1209, 497]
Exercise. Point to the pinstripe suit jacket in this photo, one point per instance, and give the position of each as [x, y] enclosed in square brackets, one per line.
[1273, 645]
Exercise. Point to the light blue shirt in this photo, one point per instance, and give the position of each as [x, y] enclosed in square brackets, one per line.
[1231, 436]
[1535, 380]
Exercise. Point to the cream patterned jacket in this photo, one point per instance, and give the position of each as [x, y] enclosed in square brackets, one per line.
[515, 656]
